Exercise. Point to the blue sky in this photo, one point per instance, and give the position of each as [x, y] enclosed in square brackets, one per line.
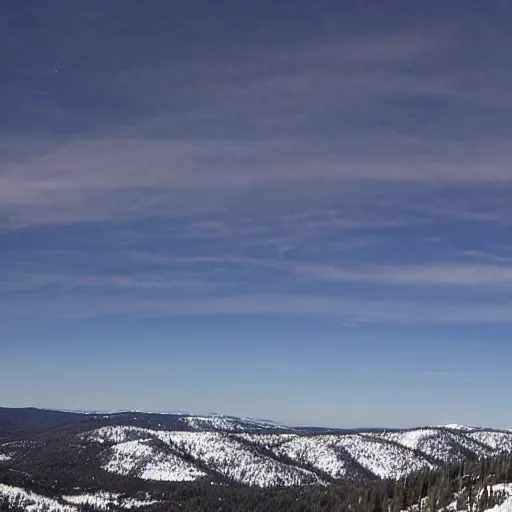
[298, 211]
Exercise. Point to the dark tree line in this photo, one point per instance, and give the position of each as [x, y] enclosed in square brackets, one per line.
[472, 484]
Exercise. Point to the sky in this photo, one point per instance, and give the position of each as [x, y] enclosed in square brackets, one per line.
[298, 211]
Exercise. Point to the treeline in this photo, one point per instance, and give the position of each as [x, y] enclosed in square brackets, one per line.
[472, 485]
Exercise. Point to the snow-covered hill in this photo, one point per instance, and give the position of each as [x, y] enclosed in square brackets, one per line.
[184, 448]
[158, 450]
[442, 444]
[274, 459]
[269, 460]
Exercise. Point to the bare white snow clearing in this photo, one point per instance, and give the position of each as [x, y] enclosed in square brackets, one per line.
[105, 501]
[117, 434]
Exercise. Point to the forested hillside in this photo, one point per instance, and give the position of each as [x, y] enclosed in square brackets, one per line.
[184, 462]
[476, 486]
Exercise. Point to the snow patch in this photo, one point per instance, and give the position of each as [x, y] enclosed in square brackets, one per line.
[457, 426]
[105, 501]
[229, 424]
[117, 434]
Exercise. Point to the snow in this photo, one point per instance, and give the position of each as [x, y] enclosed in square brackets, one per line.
[456, 426]
[117, 434]
[229, 423]
[244, 456]
[172, 469]
[496, 440]
[319, 451]
[506, 506]
[233, 459]
[216, 422]
[33, 502]
[135, 454]
[229, 456]
[443, 445]
[386, 460]
[229, 447]
[104, 501]
[141, 459]
[331, 453]
[99, 500]
[503, 489]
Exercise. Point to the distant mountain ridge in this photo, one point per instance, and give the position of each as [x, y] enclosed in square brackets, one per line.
[36, 418]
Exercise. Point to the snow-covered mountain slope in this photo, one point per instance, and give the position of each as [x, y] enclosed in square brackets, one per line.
[223, 449]
[320, 452]
[441, 444]
[288, 459]
[385, 460]
[218, 422]
[236, 460]
[495, 439]
[166, 455]
[144, 460]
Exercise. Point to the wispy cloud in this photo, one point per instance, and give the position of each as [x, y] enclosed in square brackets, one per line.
[489, 256]
[96, 180]
[163, 270]
[355, 311]
[417, 275]
[275, 120]
[62, 282]
[300, 170]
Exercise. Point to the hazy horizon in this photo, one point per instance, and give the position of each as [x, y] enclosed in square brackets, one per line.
[246, 417]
